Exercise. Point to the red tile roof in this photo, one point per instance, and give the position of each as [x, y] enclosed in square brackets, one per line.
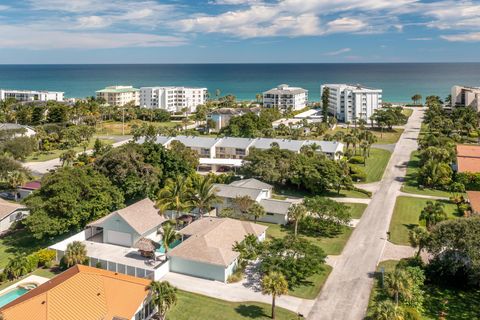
[468, 158]
[474, 197]
[32, 185]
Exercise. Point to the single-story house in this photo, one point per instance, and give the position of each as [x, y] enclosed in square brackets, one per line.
[126, 226]
[85, 293]
[468, 158]
[276, 210]
[474, 199]
[206, 247]
[11, 212]
[20, 130]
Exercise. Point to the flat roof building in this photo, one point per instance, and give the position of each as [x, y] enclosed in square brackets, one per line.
[119, 96]
[285, 97]
[31, 95]
[466, 96]
[352, 102]
[172, 99]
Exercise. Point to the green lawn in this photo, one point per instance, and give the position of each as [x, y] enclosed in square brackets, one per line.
[405, 217]
[38, 156]
[455, 303]
[385, 137]
[375, 165]
[191, 306]
[311, 291]
[411, 185]
[302, 193]
[356, 209]
[407, 112]
[115, 127]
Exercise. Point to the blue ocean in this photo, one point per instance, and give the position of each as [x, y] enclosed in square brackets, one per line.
[399, 81]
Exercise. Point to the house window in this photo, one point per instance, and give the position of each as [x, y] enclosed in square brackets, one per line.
[270, 214]
[240, 151]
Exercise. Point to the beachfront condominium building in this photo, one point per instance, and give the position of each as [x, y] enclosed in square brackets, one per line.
[285, 97]
[119, 95]
[172, 99]
[466, 96]
[30, 95]
[352, 102]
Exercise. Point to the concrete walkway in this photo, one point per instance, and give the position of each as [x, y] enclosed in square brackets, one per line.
[351, 200]
[423, 196]
[347, 289]
[236, 292]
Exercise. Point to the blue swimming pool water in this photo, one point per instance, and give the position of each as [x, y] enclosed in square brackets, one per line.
[11, 295]
[171, 246]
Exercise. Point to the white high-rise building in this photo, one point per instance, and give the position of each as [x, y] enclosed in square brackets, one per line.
[466, 96]
[31, 95]
[352, 102]
[284, 97]
[172, 99]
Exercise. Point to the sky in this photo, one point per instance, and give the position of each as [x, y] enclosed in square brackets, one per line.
[238, 31]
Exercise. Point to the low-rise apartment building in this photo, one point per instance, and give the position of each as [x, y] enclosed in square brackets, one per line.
[228, 152]
[350, 103]
[31, 95]
[119, 96]
[172, 99]
[285, 97]
[222, 116]
[466, 96]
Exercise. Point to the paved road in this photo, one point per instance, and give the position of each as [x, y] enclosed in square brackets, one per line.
[42, 167]
[347, 290]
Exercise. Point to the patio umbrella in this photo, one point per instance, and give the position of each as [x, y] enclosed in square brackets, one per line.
[146, 245]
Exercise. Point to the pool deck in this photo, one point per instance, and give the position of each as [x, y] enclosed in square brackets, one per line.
[30, 279]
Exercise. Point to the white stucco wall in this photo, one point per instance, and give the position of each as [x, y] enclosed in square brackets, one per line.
[198, 269]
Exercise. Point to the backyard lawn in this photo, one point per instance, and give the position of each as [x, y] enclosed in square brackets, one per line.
[115, 127]
[405, 217]
[385, 137]
[356, 209]
[375, 165]
[455, 303]
[38, 156]
[411, 185]
[191, 306]
[311, 291]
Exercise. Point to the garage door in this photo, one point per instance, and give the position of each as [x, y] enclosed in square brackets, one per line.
[120, 238]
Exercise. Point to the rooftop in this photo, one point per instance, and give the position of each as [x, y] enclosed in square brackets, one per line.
[468, 158]
[266, 143]
[251, 183]
[474, 198]
[197, 142]
[231, 192]
[6, 208]
[32, 185]
[142, 216]
[275, 206]
[211, 240]
[81, 292]
[285, 89]
[118, 89]
[231, 142]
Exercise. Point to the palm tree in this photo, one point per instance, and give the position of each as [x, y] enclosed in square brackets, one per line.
[433, 213]
[174, 196]
[242, 204]
[202, 195]
[15, 179]
[416, 97]
[68, 157]
[418, 239]
[256, 211]
[274, 284]
[169, 235]
[76, 253]
[164, 296]
[297, 212]
[398, 283]
[387, 310]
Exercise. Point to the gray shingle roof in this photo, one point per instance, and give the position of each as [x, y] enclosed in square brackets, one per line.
[275, 206]
[266, 143]
[197, 142]
[251, 183]
[231, 192]
[6, 208]
[231, 142]
[326, 146]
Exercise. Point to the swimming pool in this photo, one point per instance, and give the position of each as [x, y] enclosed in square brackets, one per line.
[9, 296]
[171, 246]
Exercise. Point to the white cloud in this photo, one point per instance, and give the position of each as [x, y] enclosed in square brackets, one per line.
[345, 25]
[466, 37]
[234, 2]
[420, 39]
[4, 7]
[338, 52]
[34, 38]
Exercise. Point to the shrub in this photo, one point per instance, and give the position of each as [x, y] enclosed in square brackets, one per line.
[357, 173]
[32, 262]
[236, 276]
[357, 160]
[45, 256]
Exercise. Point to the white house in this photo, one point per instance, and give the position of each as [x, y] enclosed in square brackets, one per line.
[172, 99]
[11, 212]
[352, 102]
[206, 248]
[284, 97]
[31, 95]
[20, 130]
[260, 192]
[222, 116]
